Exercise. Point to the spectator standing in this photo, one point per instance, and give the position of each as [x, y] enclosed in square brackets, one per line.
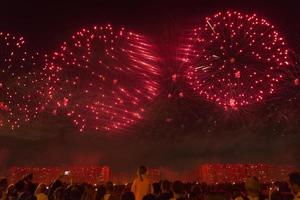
[141, 186]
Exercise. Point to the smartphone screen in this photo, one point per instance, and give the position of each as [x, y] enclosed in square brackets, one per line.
[67, 173]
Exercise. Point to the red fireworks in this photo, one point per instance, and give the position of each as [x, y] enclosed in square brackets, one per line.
[20, 82]
[103, 79]
[234, 59]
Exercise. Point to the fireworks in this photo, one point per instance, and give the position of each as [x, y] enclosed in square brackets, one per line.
[103, 79]
[235, 59]
[20, 82]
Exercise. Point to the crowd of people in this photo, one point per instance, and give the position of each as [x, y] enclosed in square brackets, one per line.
[142, 188]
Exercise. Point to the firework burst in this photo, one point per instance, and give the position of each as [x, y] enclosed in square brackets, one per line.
[21, 82]
[104, 79]
[234, 59]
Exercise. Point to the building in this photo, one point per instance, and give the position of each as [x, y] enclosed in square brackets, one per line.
[88, 174]
[220, 173]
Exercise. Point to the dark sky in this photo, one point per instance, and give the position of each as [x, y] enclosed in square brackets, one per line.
[46, 23]
[53, 141]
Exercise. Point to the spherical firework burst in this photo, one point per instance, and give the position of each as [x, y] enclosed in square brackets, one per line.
[103, 78]
[20, 77]
[235, 59]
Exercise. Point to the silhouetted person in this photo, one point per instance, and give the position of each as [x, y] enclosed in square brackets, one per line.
[294, 184]
[59, 194]
[56, 184]
[237, 195]
[75, 192]
[166, 192]
[178, 190]
[156, 189]
[17, 191]
[195, 193]
[216, 196]
[3, 188]
[89, 192]
[110, 195]
[101, 191]
[10, 192]
[253, 189]
[149, 197]
[40, 192]
[127, 196]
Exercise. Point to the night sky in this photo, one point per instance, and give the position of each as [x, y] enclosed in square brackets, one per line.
[198, 132]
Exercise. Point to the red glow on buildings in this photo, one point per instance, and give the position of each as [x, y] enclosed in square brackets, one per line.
[209, 173]
[92, 174]
[220, 173]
